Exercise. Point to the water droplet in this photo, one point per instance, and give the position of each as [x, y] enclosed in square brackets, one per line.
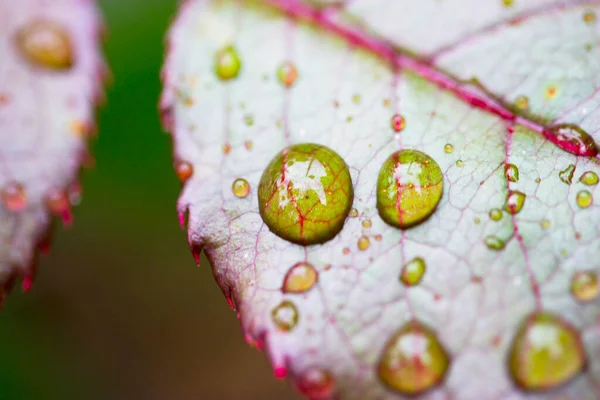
[226, 148]
[448, 148]
[300, 278]
[285, 316]
[477, 220]
[495, 214]
[227, 63]
[248, 145]
[545, 224]
[363, 243]
[346, 251]
[589, 178]
[511, 172]
[514, 201]
[356, 99]
[494, 243]
[287, 74]
[589, 16]
[387, 103]
[249, 119]
[545, 353]
[413, 360]
[46, 44]
[522, 102]
[508, 3]
[305, 194]
[409, 188]
[398, 122]
[240, 187]
[58, 204]
[551, 92]
[184, 170]
[566, 175]
[572, 139]
[585, 286]
[366, 223]
[584, 199]
[354, 213]
[316, 383]
[14, 197]
[413, 271]
[538, 180]
[459, 163]
[378, 237]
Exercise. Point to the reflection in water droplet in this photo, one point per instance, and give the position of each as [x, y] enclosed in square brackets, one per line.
[522, 102]
[494, 243]
[413, 271]
[584, 199]
[572, 139]
[316, 383]
[14, 197]
[300, 278]
[227, 63]
[363, 243]
[545, 353]
[589, 178]
[356, 98]
[585, 286]
[46, 44]
[240, 187]
[285, 316]
[514, 201]
[495, 214]
[413, 360]
[287, 74]
[305, 194]
[398, 122]
[409, 188]
[448, 148]
[511, 172]
[566, 175]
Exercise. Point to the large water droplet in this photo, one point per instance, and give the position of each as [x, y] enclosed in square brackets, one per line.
[285, 316]
[495, 214]
[300, 278]
[287, 74]
[398, 122]
[566, 175]
[413, 361]
[511, 172]
[227, 63]
[305, 194]
[589, 178]
[46, 44]
[363, 243]
[240, 188]
[545, 353]
[14, 197]
[316, 383]
[572, 139]
[514, 201]
[585, 286]
[448, 148]
[584, 199]
[413, 271]
[409, 188]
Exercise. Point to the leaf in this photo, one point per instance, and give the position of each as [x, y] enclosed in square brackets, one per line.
[50, 78]
[495, 294]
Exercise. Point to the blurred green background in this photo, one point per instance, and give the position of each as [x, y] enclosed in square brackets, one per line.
[119, 310]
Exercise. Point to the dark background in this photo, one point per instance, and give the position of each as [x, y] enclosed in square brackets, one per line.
[119, 308]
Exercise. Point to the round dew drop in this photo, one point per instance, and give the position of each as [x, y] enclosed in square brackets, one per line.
[448, 148]
[227, 63]
[398, 122]
[363, 243]
[511, 172]
[494, 243]
[585, 286]
[584, 199]
[522, 102]
[413, 360]
[589, 178]
[495, 214]
[514, 201]
[409, 188]
[240, 188]
[14, 197]
[305, 194]
[413, 271]
[300, 278]
[287, 74]
[285, 316]
[545, 353]
[316, 383]
[46, 44]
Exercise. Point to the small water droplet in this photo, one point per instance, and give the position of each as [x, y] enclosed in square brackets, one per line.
[511, 172]
[584, 199]
[285, 316]
[58, 204]
[46, 44]
[566, 175]
[227, 63]
[226, 148]
[545, 353]
[572, 139]
[495, 214]
[551, 92]
[378, 237]
[413, 271]
[545, 224]
[494, 243]
[409, 188]
[249, 119]
[413, 360]
[589, 16]
[366, 223]
[248, 145]
[459, 163]
[508, 3]
[240, 188]
[300, 278]
[356, 99]
[522, 102]
[477, 220]
[514, 201]
[316, 383]
[363, 243]
[448, 148]
[345, 251]
[387, 103]
[538, 180]
[305, 194]
[184, 170]
[287, 74]
[398, 122]
[354, 213]
[14, 197]
[589, 178]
